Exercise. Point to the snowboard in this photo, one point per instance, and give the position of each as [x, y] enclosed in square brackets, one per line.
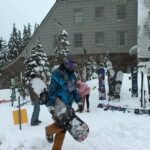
[66, 118]
[141, 98]
[118, 84]
[111, 84]
[134, 81]
[142, 111]
[148, 80]
[137, 111]
[101, 77]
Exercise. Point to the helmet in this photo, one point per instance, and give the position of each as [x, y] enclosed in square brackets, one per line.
[70, 62]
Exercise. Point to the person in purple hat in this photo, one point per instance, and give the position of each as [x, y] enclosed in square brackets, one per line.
[63, 87]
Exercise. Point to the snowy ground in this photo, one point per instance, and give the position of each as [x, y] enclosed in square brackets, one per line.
[109, 130]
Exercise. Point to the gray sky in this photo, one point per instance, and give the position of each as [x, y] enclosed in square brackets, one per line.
[21, 12]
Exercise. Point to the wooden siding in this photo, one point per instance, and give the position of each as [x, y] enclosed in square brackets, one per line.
[63, 11]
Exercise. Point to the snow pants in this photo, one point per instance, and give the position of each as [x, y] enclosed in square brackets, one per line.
[59, 137]
[86, 98]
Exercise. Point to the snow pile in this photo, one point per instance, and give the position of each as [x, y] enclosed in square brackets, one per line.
[109, 130]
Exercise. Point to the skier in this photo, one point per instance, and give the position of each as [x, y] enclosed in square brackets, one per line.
[84, 91]
[62, 86]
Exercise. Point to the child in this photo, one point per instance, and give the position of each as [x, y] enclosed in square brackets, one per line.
[84, 91]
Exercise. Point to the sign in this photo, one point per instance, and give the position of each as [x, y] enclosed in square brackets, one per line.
[21, 117]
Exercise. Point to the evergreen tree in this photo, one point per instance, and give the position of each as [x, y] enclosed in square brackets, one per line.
[36, 26]
[37, 63]
[26, 35]
[62, 45]
[13, 44]
[3, 51]
[61, 48]
[91, 69]
[29, 31]
[19, 41]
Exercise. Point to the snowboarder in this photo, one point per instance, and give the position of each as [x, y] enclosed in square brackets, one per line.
[35, 87]
[84, 91]
[62, 86]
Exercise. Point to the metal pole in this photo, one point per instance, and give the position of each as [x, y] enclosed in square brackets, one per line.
[19, 112]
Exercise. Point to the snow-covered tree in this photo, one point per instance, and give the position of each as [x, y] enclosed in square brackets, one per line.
[19, 40]
[3, 51]
[26, 35]
[37, 63]
[62, 45]
[91, 69]
[36, 26]
[61, 48]
[13, 44]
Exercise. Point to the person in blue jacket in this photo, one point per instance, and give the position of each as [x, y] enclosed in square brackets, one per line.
[63, 87]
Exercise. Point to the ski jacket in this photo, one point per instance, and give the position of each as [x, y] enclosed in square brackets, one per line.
[83, 88]
[63, 86]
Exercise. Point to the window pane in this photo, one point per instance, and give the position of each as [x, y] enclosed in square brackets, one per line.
[99, 38]
[121, 12]
[78, 40]
[121, 38]
[54, 41]
[99, 12]
[78, 16]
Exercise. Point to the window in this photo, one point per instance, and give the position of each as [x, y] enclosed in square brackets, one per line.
[99, 38]
[121, 38]
[121, 12]
[78, 16]
[99, 12]
[78, 40]
[55, 40]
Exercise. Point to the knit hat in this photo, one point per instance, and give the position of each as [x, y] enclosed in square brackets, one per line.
[70, 61]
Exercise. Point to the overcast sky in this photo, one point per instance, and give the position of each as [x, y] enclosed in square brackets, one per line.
[21, 12]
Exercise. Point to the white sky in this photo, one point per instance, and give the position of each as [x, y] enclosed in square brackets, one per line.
[21, 12]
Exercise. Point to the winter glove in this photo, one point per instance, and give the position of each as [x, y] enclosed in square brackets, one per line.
[80, 107]
[51, 110]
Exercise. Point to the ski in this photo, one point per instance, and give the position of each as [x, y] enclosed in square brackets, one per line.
[138, 111]
[4, 101]
[22, 104]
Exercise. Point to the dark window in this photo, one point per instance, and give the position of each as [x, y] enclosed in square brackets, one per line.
[121, 12]
[99, 12]
[99, 38]
[78, 16]
[121, 38]
[55, 40]
[78, 40]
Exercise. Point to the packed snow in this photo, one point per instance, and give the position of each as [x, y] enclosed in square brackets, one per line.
[109, 130]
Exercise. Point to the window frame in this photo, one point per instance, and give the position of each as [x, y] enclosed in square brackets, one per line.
[78, 16]
[121, 12]
[124, 38]
[99, 12]
[78, 41]
[96, 36]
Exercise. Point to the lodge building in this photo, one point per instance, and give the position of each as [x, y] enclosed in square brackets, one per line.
[98, 26]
